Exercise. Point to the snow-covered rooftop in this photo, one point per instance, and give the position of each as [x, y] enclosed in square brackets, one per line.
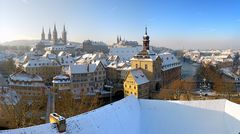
[150, 56]
[23, 76]
[229, 72]
[168, 58]
[62, 78]
[140, 116]
[83, 68]
[139, 77]
[49, 55]
[169, 61]
[41, 62]
[116, 64]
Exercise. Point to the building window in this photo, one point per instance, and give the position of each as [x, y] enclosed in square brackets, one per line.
[136, 65]
[146, 67]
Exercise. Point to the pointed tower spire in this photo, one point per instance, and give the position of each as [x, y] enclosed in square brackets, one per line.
[64, 30]
[54, 29]
[146, 40]
[145, 30]
[64, 35]
[43, 34]
[49, 35]
[55, 38]
[117, 39]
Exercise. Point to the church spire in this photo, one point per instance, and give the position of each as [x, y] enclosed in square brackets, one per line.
[117, 39]
[49, 35]
[54, 29]
[64, 35]
[43, 34]
[55, 38]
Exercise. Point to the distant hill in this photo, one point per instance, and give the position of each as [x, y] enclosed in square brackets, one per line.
[20, 43]
[27, 43]
[162, 49]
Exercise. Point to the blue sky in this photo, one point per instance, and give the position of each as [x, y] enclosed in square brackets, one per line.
[171, 23]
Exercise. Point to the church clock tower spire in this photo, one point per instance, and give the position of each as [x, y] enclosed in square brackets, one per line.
[146, 40]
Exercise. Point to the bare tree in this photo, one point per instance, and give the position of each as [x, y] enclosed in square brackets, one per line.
[177, 89]
[24, 113]
[67, 106]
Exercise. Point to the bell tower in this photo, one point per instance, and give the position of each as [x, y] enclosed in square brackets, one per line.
[146, 40]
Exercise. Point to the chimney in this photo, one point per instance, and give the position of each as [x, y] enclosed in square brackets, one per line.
[60, 121]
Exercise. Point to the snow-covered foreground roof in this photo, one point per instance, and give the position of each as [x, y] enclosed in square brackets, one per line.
[133, 116]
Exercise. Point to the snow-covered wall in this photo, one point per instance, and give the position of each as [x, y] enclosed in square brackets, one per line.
[133, 116]
[187, 117]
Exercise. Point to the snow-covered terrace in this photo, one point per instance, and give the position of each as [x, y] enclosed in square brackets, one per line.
[133, 116]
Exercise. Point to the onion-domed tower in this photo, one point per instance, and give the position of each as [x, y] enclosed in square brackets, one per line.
[146, 40]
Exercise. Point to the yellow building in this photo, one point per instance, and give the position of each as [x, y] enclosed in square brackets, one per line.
[149, 63]
[137, 84]
[160, 70]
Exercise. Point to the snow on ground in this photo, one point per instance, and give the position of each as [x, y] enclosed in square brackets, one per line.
[133, 116]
